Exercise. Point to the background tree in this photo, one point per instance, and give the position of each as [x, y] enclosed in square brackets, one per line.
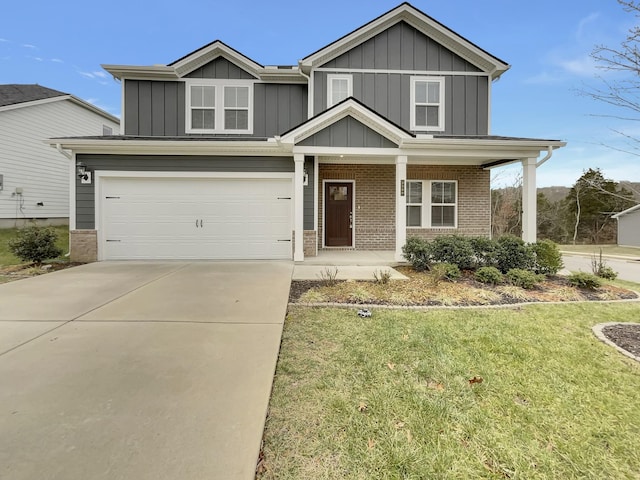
[590, 204]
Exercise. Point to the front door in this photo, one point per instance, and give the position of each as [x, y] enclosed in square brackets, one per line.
[338, 214]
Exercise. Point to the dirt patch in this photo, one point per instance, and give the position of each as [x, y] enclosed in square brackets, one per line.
[625, 335]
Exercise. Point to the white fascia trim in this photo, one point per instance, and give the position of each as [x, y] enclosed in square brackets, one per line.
[151, 72]
[422, 23]
[211, 52]
[402, 72]
[193, 147]
[418, 142]
[348, 108]
[625, 212]
[347, 151]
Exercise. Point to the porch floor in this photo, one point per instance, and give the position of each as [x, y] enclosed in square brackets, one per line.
[350, 265]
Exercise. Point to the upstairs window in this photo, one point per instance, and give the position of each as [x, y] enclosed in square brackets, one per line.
[427, 103]
[432, 204]
[219, 106]
[339, 87]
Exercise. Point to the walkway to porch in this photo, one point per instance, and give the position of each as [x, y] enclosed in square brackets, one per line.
[351, 265]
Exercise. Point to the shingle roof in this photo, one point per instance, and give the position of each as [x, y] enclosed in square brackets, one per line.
[13, 94]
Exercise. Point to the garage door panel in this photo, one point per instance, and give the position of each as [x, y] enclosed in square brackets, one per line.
[209, 218]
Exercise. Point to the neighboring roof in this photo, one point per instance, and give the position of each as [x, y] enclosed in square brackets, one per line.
[14, 94]
[421, 21]
[627, 211]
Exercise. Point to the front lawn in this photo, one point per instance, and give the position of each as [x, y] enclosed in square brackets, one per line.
[510, 393]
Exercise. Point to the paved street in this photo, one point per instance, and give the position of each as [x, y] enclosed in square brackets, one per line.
[627, 269]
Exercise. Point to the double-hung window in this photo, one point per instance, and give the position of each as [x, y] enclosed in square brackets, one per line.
[432, 204]
[427, 104]
[219, 106]
[339, 87]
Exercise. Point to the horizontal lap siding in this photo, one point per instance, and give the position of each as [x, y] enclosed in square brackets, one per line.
[85, 194]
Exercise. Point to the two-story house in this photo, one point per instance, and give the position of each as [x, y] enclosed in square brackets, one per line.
[383, 134]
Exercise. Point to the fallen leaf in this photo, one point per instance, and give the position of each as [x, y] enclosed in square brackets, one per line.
[362, 407]
[405, 337]
[391, 366]
[476, 380]
[550, 447]
[399, 425]
[409, 436]
[435, 386]
[371, 443]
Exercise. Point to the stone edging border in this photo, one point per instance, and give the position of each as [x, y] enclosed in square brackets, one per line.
[455, 307]
[597, 331]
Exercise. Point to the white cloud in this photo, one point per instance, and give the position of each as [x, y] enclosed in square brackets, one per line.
[583, 66]
[4, 40]
[28, 45]
[56, 60]
[544, 78]
[87, 74]
[100, 74]
[582, 25]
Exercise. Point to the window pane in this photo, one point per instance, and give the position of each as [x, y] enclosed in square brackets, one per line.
[432, 119]
[421, 92]
[201, 118]
[197, 119]
[436, 192]
[443, 216]
[209, 96]
[236, 119]
[209, 119]
[433, 92]
[449, 192]
[242, 96]
[414, 192]
[421, 116]
[414, 215]
[230, 97]
[196, 96]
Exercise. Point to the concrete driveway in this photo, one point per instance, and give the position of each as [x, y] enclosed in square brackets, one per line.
[139, 370]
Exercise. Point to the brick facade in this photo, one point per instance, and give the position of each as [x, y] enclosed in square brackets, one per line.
[310, 243]
[83, 246]
[374, 191]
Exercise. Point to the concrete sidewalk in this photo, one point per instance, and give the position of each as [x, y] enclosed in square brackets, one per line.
[145, 370]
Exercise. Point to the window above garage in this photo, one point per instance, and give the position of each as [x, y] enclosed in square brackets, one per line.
[219, 106]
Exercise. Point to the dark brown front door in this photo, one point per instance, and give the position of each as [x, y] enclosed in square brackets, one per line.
[338, 214]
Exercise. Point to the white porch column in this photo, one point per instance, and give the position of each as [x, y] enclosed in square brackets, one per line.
[401, 205]
[298, 210]
[529, 194]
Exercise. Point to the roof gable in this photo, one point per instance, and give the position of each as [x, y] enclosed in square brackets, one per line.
[14, 94]
[350, 107]
[348, 132]
[430, 27]
[210, 52]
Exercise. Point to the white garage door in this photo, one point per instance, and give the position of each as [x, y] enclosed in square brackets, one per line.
[196, 218]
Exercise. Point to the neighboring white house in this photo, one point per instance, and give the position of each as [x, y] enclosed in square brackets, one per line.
[629, 227]
[34, 178]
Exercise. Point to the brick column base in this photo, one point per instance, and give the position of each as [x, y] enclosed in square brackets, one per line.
[310, 243]
[83, 246]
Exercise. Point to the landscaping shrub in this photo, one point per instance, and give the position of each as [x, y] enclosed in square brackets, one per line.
[548, 257]
[584, 280]
[445, 271]
[417, 253]
[453, 249]
[382, 277]
[485, 251]
[600, 268]
[523, 278]
[490, 275]
[35, 244]
[513, 252]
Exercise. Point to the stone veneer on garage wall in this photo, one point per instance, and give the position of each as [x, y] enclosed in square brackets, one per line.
[374, 191]
[83, 246]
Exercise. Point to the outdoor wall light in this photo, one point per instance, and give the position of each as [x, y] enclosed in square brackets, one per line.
[305, 177]
[81, 169]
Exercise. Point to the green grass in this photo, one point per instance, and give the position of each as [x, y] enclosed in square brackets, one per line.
[7, 258]
[606, 249]
[389, 397]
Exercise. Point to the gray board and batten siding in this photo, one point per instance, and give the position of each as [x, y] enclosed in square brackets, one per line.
[157, 108]
[85, 193]
[348, 132]
[402, 47]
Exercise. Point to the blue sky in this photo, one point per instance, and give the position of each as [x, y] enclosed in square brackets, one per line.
[546, 42]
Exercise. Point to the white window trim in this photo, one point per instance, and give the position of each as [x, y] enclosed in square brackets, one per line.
[412, 110]
[330, 79]
[426, 204]
[220, 107]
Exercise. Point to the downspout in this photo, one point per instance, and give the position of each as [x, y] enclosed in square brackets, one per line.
[62, 151]
[309, 91]
[547, 157]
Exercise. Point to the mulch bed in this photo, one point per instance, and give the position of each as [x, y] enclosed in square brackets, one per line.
[626, 336]
[17, 272]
